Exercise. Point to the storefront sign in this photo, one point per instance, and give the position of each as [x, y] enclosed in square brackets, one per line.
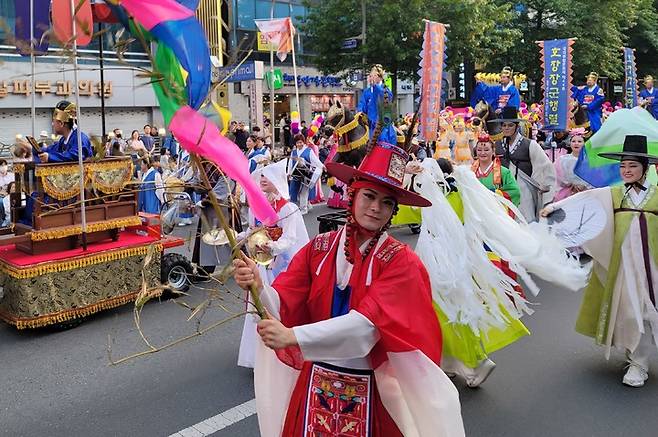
[250, 70]
[274, 79]
[253, 102]
[323, 81]
[405, 87]
[321, 103]
[63, 88]
[350, 43]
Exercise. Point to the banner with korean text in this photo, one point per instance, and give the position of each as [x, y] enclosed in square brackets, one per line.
[630, 82]
[432, 61]
[556, 58]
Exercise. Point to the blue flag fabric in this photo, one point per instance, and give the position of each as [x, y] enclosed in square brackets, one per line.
[556, 84]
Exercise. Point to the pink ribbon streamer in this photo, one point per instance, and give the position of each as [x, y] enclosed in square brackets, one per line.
[199, 135]
[150, 13]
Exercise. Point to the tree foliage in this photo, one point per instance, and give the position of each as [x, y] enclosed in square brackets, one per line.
[644, 38]
[602, 28]
[487, 33]
[395, 29]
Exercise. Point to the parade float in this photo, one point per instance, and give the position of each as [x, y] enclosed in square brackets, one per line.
[54, 272]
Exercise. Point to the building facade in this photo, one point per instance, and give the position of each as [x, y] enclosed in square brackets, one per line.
[316, 90]
[128, 98]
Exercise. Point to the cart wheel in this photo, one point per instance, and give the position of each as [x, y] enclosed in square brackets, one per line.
[175, 271]
[415, 229]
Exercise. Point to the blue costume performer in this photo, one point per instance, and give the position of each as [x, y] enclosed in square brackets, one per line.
[151, 194]
[257, 156]
[66, 148]
[591, 97]
[304, 170]
[368, 104]
[649, 97]
[498, 96]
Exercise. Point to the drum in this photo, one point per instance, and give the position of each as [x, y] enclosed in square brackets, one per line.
[302, 173]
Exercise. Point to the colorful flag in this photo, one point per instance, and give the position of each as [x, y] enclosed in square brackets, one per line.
[432, 61]
[602, 172]
[556, 62]
[630, 82]
[279, 32]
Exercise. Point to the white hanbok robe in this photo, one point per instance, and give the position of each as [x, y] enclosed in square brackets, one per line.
[293, 238]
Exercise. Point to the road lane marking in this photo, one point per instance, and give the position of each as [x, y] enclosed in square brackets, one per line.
[220, 421]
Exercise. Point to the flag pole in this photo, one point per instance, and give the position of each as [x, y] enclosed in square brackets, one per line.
[33, 111]
[83, 215]
[294, 68]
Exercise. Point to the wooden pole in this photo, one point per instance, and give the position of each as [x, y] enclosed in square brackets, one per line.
[255, 297]
[83, 212]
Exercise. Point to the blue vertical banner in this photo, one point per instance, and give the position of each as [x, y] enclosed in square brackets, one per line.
[556, 63]
[630, 83]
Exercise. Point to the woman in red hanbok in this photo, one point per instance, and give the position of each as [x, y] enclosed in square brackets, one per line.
[352, 345]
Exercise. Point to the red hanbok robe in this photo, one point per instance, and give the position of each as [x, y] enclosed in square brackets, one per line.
[390, 292]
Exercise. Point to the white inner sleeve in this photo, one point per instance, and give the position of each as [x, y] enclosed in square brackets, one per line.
[270, 299]
[345, 337]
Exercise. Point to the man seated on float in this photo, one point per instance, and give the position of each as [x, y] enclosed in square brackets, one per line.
[63, 150]
[66, 148]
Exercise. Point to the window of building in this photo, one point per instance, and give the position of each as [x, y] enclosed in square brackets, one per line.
[297, 13]
[8, 20]
[281, 10]
[248, 10]
[263, 9]
[8, 24]
[245, 14]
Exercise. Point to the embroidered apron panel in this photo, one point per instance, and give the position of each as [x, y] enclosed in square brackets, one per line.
[338, 402]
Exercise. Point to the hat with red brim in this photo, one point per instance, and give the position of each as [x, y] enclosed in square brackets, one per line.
[384, 166]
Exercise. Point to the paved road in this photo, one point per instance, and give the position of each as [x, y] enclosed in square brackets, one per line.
[554, 383]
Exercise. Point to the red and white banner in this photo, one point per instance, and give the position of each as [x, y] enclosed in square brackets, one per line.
[432, 60]
[279, 32]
